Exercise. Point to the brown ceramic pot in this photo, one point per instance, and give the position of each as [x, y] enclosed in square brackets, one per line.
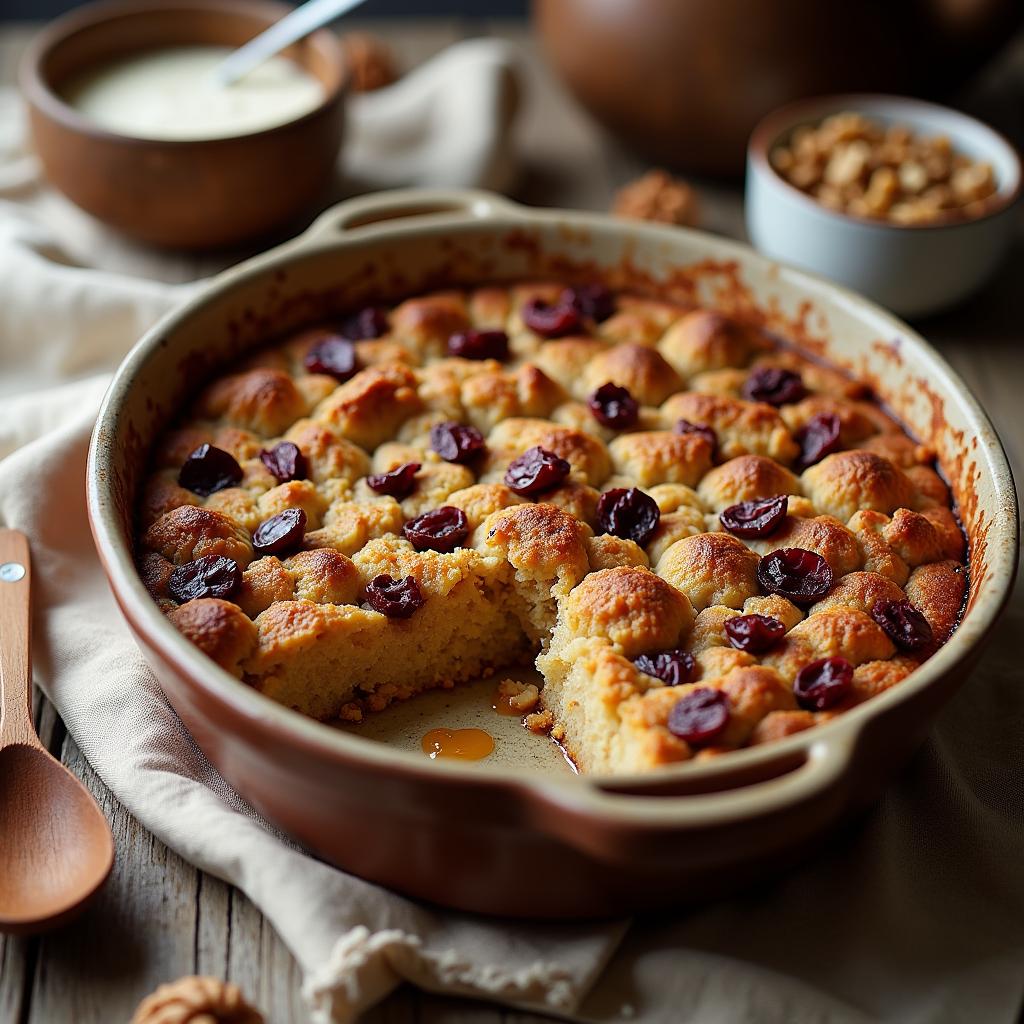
[517, 840]
[184, 194]
[685, 81]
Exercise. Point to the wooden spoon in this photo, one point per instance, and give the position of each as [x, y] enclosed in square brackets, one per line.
[55, 845]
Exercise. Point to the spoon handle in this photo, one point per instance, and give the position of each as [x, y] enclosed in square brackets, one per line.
[293, 26]
[15, 641]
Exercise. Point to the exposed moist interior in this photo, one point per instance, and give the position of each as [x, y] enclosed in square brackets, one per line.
[537, 578]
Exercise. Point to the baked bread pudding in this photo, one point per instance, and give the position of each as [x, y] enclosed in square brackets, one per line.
[701, 538]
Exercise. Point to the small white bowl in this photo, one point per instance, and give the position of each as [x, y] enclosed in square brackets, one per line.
[914, 270]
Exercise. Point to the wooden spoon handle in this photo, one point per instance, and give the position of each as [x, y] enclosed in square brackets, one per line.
[15, 640]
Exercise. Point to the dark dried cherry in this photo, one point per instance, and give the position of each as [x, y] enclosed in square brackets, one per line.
[440, 529]
[397, 599]
[613, 406]
[208, 470]
[628, 513]
[708, 433]
[398, 483]
[760, 517]
[209, 576]
[455, 442]
[904, 623]
[551, 319]
[797, 574]
[818, 437]
[823, 683]
[774, 385]
[285, 461]
[673, 667]
[369, 322]
[754, 634]
[535, 471]
[590, 300]
[280, 533]
[334, 356]
[473, 344]
[699, 717]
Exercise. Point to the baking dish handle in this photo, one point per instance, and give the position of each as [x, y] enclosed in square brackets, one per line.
[613, 826]
[395, 204]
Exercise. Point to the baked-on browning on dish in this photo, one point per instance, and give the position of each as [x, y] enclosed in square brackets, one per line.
[703, 539]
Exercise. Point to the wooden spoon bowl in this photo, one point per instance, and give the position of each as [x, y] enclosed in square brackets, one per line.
[55, 845]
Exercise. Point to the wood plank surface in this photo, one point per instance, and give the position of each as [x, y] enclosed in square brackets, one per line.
[159, 917]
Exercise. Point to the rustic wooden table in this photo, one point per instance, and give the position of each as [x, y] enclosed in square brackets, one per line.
[159, 917]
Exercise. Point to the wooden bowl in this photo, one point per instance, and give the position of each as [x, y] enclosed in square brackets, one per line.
[685, 81]
[513, 836]
[184, 194]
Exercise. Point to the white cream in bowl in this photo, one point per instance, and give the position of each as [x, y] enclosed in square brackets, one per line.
[173, 94]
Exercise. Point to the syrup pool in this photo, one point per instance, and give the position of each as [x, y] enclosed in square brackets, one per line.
[459, 744]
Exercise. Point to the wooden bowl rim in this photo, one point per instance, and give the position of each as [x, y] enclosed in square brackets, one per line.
[48, 102]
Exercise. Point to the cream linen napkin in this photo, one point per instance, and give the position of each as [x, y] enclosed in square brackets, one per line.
[63, 328]
[917, 917]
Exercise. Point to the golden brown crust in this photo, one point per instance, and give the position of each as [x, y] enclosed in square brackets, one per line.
[535, 572]
[220, 629]
[263, 401]
[641, 370]
[745, 478]
[938, 590]
[653, 457]
[705, 339]
[711, 568]
[187, 533]
[847, 482]
[742, 427]
[630, 606]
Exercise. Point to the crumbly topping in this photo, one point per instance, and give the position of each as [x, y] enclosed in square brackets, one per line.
[638, 554]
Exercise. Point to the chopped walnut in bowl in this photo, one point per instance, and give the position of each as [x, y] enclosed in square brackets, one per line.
[862, 167]
[909, 203]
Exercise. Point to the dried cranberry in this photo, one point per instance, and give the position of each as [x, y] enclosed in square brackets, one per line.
[209, 576]
[757, 518]
[904, 623]
[209, 469]
[551, 320]
[397, 599]
[473, 344]
[774, 385]
[399, 482]
[535, 471]
[708, 433]
[800, 575]
[333, 355]
[455, 442]
[754, 634]
[823, 683]
[285, 461]
[370, 322]
[628, 513]
[280, 533]
[700, 716]
[817, 438]
[591, 300]
[673, 667]
[440, 529]
[613, 406]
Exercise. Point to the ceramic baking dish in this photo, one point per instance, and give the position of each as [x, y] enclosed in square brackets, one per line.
[522, 836]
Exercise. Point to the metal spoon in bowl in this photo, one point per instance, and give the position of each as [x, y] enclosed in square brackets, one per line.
[301, 22]
[55, 845]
